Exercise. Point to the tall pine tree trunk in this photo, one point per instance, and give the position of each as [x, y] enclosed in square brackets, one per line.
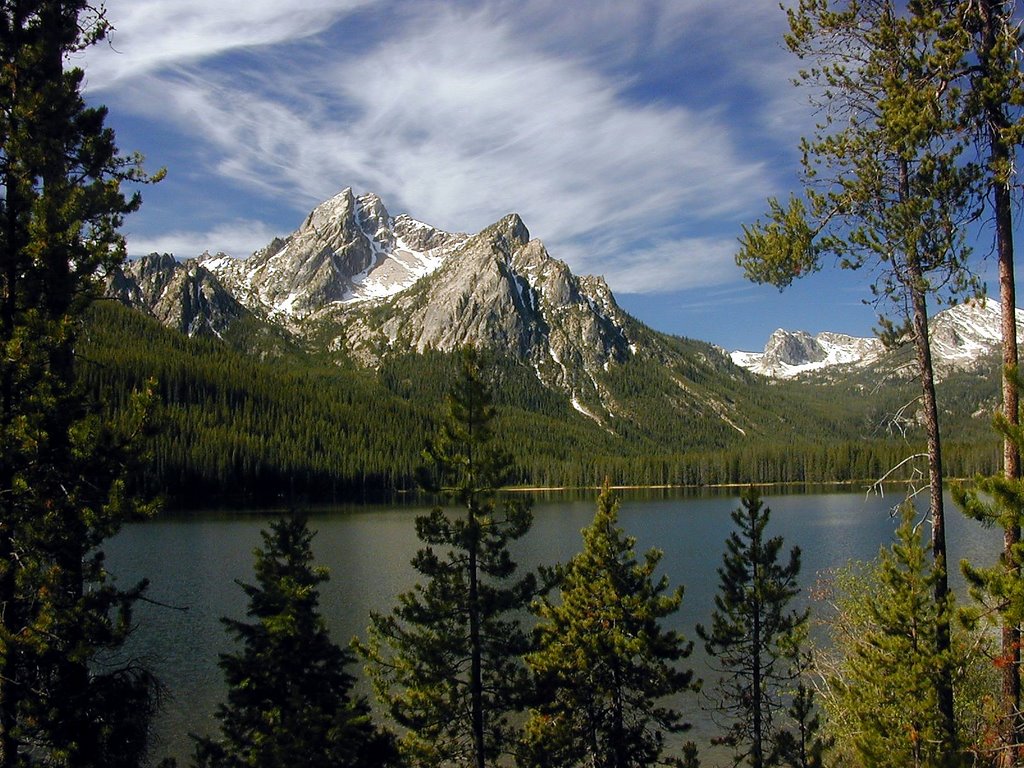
[936, 511]
[993, 21]
[916, 284]
[9, 609]
[756, 683]
[476, 686]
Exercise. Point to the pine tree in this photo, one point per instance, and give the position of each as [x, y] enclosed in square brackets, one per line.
[994, 94]
[803, 744]
[753, 635]
[998, 590]
[447, 661]
[604, 663]
[66, 696]
[886, 186]
[884, 690]
[290, 699]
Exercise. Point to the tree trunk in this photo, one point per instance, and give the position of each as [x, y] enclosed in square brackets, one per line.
[9, 613]
[618, 717]
[757, 719]
[915, 283]
[475, 651]
[944, 686]
[10, 609]
[992, 21]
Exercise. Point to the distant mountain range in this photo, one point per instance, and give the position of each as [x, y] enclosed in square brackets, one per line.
[354, 278]
[381, 293]
[962, 337]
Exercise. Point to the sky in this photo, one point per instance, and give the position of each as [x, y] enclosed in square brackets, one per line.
[634, 138]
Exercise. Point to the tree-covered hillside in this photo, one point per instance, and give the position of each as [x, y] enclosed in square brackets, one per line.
[255, 415]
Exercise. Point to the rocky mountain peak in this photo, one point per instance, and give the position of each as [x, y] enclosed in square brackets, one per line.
[375, 285]
[961, 337]
[374, 220]
[184, 296]
[793, 348]
[508, 235]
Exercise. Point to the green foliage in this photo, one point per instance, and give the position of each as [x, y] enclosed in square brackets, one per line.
[604, 664]
[883, 656]
[887, 186]
[998, 590]
[754, 635]
[267, 418]
[66, 480]
[803, 746]
[447, 661]
[885, 182]
[290, 698]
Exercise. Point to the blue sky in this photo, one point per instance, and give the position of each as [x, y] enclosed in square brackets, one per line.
[634, 138]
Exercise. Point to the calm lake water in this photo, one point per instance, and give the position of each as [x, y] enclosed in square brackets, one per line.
[194, 560]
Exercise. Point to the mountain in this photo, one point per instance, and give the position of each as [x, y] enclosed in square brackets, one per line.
[963, 338]
[348, 250]
[184, 296]
[503, 290]
[791, 353]
[320, 362]
[354, 280]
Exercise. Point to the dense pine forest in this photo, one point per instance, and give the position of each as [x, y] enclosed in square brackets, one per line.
[256, 415]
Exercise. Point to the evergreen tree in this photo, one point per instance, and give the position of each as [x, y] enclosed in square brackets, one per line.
[753, 636]
[994, 94]
[999, 590]
[604, 663]
[803, 744]
[886, 186]
[447, 661]
[66, 697]
[290, 698]
[883, 698]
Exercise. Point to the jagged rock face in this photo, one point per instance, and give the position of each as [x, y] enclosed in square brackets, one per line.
[500, 288]
[793, 348]
[374, 285]
[348, 249]
[791, 353]
[184, 296]
[968, 331]
[961, 337]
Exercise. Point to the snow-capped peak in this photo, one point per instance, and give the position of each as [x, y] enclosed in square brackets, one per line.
[348, 249]
[959, 335]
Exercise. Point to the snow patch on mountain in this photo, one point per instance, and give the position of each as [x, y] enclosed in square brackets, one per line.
[791, 353]
[348, 250]
[960, 336]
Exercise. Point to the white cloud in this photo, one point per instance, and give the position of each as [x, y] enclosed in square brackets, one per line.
[152, 34]
[460, 114]
[235, 238]
[457, 119]
[667, 266]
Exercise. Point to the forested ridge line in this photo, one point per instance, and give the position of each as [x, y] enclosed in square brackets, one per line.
[256, 415]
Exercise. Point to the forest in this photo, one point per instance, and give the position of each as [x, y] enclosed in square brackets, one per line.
[256, 415]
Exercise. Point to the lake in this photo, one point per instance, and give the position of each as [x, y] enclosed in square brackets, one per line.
[193, 561]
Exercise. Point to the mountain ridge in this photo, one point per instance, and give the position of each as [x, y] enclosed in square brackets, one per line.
[962, 337]
[320, 362]
[356, 285]
[353, 279]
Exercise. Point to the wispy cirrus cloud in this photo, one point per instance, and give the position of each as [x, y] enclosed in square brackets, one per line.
[236, 237]
[459, 113]
[150, 35]
[662, 266]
